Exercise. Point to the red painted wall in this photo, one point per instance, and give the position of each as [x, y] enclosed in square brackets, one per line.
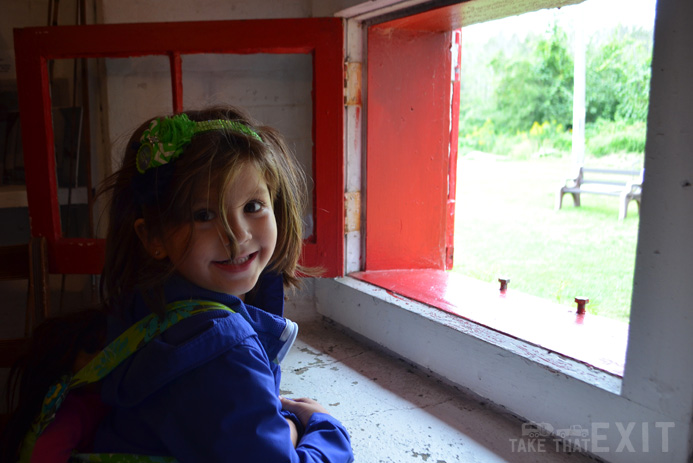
[408, 135]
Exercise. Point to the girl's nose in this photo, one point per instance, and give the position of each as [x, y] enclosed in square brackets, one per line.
[224, 237]
[240, 230]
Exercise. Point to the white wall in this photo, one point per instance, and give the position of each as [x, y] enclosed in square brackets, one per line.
[275, 89]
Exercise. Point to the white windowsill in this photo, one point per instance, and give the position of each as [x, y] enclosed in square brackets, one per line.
[441, 342]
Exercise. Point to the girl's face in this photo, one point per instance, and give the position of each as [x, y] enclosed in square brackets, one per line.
[200, 252]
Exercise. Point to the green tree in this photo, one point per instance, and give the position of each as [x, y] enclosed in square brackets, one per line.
[509, 83]
[618, 76]
[537, 87]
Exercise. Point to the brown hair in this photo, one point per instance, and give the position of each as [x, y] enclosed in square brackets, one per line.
[163, 198]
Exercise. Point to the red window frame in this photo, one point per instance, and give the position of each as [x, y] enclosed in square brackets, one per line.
[411, 146]
[320, 37]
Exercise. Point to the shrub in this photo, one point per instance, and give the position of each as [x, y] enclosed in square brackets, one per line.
[606, 137]
[563, 141]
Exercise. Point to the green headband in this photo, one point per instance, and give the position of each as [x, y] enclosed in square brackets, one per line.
[167, 137]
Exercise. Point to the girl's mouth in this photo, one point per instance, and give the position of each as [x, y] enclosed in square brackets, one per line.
[239, 264]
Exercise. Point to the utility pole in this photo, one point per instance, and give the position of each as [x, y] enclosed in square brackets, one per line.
[579, 87]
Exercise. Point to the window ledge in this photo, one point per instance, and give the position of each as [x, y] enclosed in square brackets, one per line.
[589, 348]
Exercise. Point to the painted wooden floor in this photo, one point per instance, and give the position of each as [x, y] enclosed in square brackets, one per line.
[397, 413]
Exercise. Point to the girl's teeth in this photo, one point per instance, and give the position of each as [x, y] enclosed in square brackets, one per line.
[240, 260]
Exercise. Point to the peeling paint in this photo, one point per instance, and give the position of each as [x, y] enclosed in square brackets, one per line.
[424, 456]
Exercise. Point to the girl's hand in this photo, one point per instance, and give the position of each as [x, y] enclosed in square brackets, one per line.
[303, 408]
[294, 432]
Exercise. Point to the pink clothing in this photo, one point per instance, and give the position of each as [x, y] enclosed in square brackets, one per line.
[72, 429]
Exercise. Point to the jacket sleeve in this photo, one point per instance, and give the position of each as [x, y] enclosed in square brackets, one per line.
[227, 410]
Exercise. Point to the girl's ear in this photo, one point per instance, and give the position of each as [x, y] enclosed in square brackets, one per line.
[154, 247]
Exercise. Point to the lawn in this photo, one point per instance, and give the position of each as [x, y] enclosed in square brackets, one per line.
[506, 225]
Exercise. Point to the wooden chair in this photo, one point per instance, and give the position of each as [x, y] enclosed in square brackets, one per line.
[25, 262]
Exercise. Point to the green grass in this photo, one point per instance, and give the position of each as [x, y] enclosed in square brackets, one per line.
[506, 226]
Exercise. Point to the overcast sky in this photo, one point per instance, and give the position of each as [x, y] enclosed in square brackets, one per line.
[599, 14]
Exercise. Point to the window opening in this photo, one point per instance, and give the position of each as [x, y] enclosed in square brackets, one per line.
[519, 143]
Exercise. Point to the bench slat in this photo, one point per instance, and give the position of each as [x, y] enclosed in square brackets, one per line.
[628, 189]
[595, 191]
[603, 182]
[597, 170]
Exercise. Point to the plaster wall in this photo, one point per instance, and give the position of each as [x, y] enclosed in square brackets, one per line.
[275, 89]
[27, 13]
[128, 11]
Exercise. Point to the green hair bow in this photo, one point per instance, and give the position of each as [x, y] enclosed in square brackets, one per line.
[167, 137]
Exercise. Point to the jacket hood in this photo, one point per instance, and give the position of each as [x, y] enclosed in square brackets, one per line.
[198, 339]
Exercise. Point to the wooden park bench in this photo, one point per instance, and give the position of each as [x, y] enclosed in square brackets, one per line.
[626, 184]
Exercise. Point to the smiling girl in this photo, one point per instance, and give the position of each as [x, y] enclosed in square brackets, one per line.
[205, 231]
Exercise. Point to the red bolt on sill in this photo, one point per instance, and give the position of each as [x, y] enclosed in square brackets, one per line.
[504, 284]
[581, 302]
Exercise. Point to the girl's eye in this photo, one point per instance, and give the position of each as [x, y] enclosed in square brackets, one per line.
[203, 215]
[252, 206]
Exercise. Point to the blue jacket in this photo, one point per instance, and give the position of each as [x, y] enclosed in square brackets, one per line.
[207, 389]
